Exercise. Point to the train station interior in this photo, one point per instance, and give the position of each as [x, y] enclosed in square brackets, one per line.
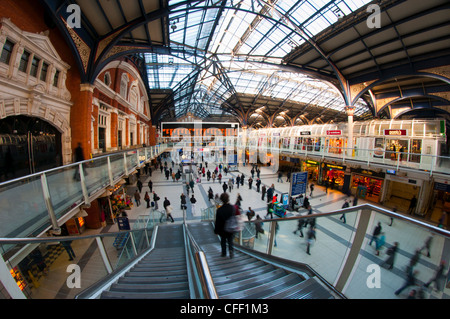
[122, 122]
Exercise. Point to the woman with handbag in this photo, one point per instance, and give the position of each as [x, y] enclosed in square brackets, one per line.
[168, 209]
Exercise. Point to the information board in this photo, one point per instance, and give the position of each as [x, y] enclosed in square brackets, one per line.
[298, 183]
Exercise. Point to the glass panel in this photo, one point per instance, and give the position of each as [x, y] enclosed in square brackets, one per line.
[412, 255]
[27, 213]
[418, 249]
[96, 175]
[44, 269]
[65, 189]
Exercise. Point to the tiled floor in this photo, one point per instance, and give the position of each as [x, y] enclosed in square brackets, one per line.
[326, 252]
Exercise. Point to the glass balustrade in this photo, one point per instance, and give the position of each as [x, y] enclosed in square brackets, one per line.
[33, 203]
[346, 255]
[44, 269]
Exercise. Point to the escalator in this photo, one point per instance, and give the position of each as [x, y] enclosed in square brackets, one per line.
[249, 277]
[161, 274]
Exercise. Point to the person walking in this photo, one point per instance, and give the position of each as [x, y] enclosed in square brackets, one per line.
[137, 198]
[280, 177]
[250, 181]
[269, 210]
[155, 200]
[427, 244]
[242, 179]
[438, 277]
[258, 226]
[193, 201]
[191, 185]
[412, 205]
[391, 252]
[345, 205]
[376, 233]
[224, 213]
[258, 184]
[238, 200]
[230, 184]
[168, 209]
[311, 188]
[225, 187]
[270, 194]
[411, 276]
[380, 243]
[263, 192]
[67, 244]
[150, 186]
[238, 181]
[139, 185]
[147, 199]
[300, 225]
[183, 201]
[310, 236]
[415, 258]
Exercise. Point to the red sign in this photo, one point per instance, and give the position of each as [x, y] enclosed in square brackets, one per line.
[395, 132]
[334, 132]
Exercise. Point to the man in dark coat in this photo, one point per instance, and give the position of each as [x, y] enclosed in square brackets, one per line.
[223, 214]
[269, 194]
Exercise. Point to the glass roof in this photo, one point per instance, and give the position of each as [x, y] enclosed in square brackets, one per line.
[218, 51]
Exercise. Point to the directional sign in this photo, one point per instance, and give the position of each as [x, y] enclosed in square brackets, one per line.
[298, 183]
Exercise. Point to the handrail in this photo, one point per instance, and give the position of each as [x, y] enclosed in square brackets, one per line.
[288, 265]
[93, 291]
[202, 268]
[351, 209]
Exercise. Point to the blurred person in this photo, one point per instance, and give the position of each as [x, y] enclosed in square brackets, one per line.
[223, 214]
[391, 252]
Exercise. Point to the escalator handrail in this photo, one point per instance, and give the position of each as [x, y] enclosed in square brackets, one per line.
[202, 268]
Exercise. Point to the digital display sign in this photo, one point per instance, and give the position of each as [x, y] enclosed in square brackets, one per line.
[168, 129]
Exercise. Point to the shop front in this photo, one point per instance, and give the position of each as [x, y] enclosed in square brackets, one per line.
[312, 167]
[367, 184]
[334, 174]
[440, 199]
[399, 190]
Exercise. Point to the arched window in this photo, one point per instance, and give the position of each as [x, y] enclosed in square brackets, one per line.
[124, 85]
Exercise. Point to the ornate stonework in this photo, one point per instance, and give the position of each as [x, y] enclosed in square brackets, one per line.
[83, 49]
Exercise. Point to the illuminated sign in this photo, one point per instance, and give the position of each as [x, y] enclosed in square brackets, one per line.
[198, 129]
[395, 132]
[334, 132]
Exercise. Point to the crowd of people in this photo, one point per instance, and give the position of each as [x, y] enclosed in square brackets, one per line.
[306, 227]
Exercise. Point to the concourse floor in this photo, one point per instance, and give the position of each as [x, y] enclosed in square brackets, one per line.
[332, 236]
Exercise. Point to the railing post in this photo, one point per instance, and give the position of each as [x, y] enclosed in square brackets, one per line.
[272, 237]
[357, 240]
[48, 203]
[133, 243]
[83, 185]
[110, 174]
[102, 250]
[8, 281]
[125, 168]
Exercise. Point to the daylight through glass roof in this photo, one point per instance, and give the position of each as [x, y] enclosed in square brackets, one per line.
[238, 48]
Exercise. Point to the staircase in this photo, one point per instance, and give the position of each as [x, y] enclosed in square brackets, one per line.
[162, 274]
[247, 277]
